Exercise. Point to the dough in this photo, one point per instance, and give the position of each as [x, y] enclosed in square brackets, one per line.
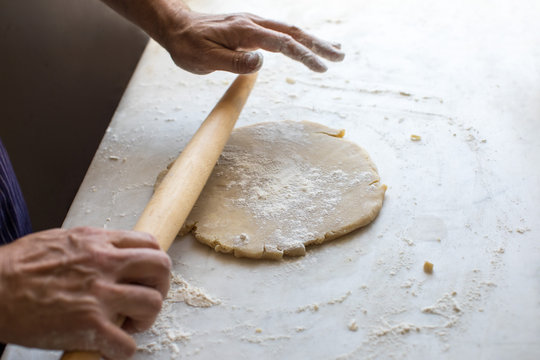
[279, 186]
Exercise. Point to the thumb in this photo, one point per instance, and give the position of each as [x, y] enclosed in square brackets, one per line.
[238, 62]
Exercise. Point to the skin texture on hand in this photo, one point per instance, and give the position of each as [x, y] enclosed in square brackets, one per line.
[225, 42]
[202, 43]
[64, 289]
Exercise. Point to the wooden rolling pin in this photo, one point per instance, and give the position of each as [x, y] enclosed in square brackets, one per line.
[173, 200]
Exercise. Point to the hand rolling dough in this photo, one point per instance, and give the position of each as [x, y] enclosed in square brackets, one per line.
[280, 186]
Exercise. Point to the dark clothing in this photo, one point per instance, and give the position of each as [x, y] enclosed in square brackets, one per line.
[14, 218]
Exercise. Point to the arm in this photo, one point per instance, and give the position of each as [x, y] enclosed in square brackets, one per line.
[63, 289]
[202, 43]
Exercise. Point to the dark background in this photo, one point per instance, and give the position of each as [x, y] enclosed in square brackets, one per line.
[64, 65]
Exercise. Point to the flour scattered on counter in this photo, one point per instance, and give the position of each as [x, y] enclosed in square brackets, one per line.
[446, 307]
[261, 339]
[407, 284]
[500, 250]
[315, 307]
[167, 339]
[311, 307]
[166, 334]
[522, 230]
[408, 241]
[339, 300]
[397, 329]
[182, 291]
[353, 326]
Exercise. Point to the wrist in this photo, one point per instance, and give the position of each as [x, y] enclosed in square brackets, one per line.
[172, 16]
[157, 18]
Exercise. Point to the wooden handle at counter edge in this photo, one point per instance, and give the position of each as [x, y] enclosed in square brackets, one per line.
[173, 200]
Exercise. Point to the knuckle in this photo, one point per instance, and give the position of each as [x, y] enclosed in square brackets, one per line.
[164, 261]
[155, 302]
[236, 63]
[101, 256]
[240, 20]
[287, 39]
[149, 236]
[293, 29]
[83, 230]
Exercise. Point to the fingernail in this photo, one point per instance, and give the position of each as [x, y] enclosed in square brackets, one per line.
[254, 60]
[339, 56]
[316, 65]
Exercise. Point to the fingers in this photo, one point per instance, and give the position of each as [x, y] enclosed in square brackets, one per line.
[113, 342]
[238, 62]
[145, 267]
[275, 41]
[327, 50]
[132, 239]
[138, 304]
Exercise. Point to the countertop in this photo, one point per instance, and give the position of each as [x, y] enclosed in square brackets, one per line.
[463, 75]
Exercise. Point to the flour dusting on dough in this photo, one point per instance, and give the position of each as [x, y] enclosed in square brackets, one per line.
[280, 186]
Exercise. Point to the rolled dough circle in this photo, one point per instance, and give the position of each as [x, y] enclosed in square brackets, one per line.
[280, 186]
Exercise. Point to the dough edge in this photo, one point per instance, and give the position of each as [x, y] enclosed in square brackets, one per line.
[271, 252]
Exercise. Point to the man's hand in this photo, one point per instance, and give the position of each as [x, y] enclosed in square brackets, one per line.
[64, 289]
[202, 43]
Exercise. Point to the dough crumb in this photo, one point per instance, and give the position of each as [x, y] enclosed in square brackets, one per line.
[353, 326]
[311, 307]
[522, 230]
[340, 299]
[113, 157]
[338, 134]
[415, 137]
[290, 81]
[428, 267]
[258, 330]
[397, 329]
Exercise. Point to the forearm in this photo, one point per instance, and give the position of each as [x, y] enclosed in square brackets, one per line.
[155, 17]
[202, 43]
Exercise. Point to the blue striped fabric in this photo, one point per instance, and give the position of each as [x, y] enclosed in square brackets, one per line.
[14, 218]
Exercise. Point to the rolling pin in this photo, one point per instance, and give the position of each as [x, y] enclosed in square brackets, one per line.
[173, 200]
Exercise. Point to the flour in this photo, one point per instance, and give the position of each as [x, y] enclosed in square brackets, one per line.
[280, 186]
[273, 188]
[316, 306]
[446, 307]
[166, 334]
[182, 291]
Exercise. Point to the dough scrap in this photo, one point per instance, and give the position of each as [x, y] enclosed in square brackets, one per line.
[279, 186]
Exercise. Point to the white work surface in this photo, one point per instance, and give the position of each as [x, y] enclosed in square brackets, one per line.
[463, 75]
